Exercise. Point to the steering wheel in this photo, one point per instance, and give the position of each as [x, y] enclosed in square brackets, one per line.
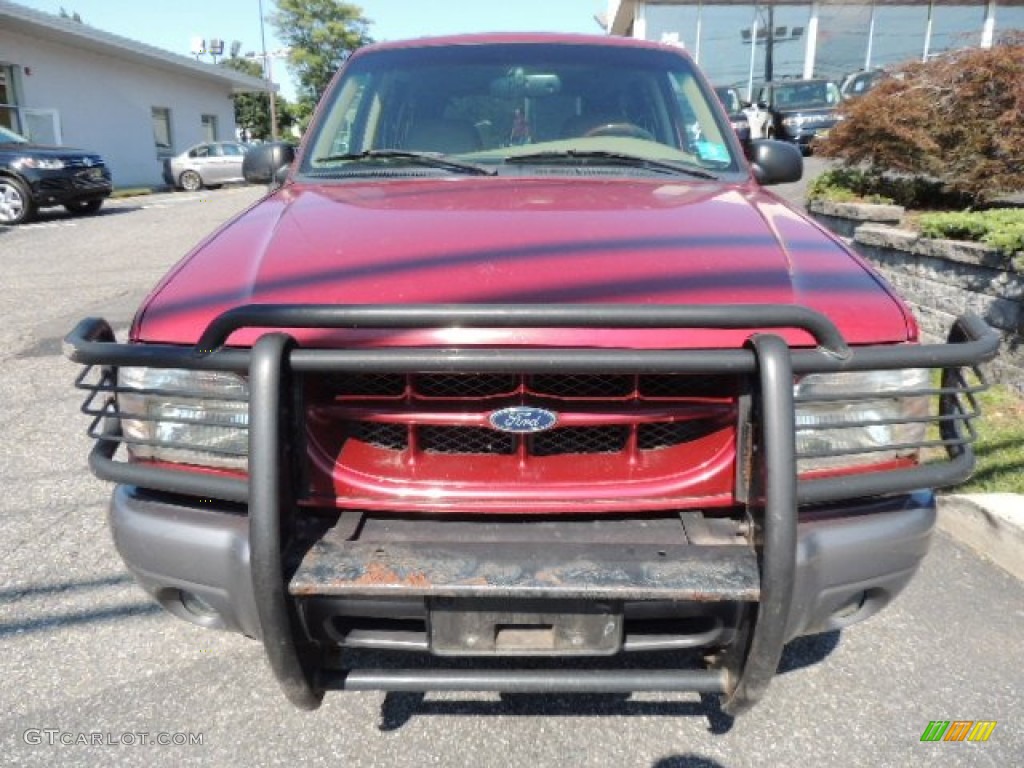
[631, 130]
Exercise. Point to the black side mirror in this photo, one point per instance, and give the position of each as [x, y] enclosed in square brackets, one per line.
[262, 163]
[775, 162]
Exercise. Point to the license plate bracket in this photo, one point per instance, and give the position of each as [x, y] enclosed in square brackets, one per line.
[499, 627]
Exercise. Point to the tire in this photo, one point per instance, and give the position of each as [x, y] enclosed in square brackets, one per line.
[190, 181]
[83, 207]
[16, 207]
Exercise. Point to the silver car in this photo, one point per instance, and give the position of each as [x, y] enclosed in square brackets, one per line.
[205, 165]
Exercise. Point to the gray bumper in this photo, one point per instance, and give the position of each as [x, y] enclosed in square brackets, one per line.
[851, 559]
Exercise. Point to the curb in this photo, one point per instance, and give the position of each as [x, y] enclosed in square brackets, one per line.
[989, 523]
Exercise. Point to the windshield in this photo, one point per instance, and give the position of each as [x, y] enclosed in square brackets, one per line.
[806, 95]
[730, 99]
[8, 136]
[522, 103]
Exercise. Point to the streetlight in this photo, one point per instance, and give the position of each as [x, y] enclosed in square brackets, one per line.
[267, 59]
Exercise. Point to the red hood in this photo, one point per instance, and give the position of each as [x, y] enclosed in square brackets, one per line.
[501, 240]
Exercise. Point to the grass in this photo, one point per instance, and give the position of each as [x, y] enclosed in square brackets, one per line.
[1000, 446]
[132, 191]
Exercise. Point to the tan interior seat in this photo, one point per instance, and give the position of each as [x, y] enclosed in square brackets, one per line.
[446, 136]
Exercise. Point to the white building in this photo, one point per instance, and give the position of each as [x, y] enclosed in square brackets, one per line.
[64, 82]
[820, 38]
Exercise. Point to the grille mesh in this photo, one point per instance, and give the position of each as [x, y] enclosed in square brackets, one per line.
[388, 437]
[455, 385]
[466, 441]
[561, 385]
[580, 440]
[655, 437]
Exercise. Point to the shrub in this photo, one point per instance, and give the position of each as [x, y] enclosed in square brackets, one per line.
[958, 120]
[844, 184]
[1001, 228]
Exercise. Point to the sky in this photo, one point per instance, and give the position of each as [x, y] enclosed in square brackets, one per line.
[172, 24]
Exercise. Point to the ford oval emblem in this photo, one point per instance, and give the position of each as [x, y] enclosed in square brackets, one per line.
[523, 419]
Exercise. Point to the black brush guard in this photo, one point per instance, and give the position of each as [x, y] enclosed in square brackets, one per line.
[268, 490]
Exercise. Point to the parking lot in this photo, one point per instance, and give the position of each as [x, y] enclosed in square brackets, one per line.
[95, 674]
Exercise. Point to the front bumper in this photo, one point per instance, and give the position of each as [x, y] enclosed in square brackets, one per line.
[49, 188]
[851, 560]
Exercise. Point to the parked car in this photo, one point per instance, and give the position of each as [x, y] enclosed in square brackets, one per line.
[34, 176]
[206, 165]
[858, 83]
[802, 110]
[734, 106]
[531, 368]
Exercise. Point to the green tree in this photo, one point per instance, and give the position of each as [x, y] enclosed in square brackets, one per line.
[252, 110]
[320, 34]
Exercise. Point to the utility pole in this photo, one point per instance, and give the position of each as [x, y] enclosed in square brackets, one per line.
[268, 74]
[769, 43]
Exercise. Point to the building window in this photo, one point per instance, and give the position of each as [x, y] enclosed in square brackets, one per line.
[162, 131]
[8, 99]
[209, 127]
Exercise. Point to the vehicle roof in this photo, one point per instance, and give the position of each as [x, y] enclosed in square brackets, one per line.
[490, 38]
[795, 80]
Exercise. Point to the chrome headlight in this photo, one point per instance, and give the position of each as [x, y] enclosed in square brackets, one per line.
[41, 163]
[864, 417]
[184, 416]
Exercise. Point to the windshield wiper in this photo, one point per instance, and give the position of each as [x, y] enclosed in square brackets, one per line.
[611, 158]
[430, 159]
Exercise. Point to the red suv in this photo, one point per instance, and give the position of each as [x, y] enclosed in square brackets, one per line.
[519, 359]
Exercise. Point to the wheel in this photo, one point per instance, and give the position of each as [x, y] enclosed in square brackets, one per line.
[631, 130]
[16, 206]
[190, 181]
[83, 207]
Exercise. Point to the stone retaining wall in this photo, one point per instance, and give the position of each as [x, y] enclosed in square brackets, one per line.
[939, 278]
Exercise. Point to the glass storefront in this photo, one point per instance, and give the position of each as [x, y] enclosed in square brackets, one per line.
[844, 44]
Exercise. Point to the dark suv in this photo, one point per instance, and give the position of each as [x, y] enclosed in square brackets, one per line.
[802, 110]
[34, 176]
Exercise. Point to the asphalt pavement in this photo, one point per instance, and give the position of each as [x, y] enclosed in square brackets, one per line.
[94, 674]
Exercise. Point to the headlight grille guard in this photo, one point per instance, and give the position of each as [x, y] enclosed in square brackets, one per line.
[971, 342]
[767, 359]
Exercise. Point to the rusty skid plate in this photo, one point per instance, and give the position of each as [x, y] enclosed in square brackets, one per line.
[604, 570]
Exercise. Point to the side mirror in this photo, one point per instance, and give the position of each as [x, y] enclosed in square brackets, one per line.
[263, 163]
[775, 162]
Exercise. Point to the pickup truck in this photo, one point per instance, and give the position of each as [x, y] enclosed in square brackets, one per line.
[518, 379]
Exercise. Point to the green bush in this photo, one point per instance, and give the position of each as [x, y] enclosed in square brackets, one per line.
[1001, 228]
[845, 184]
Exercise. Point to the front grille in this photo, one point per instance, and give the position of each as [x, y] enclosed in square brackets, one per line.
[81, 161]
[541, 385]
[407, 414]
